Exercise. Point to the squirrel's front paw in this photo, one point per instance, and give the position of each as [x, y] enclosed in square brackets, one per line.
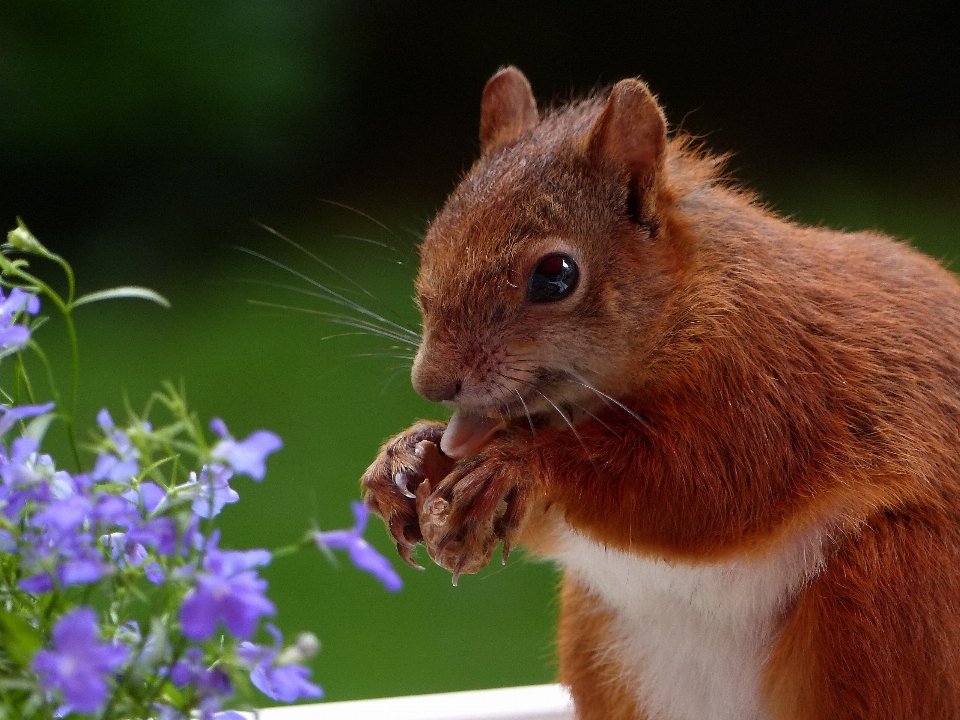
[484, 499]
[390, 482]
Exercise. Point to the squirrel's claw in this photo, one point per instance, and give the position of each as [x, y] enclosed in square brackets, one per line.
[471, 510]
[406, 554]
[390, 482]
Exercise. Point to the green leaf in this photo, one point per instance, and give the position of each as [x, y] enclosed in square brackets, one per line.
[126, 291]
[20, 639]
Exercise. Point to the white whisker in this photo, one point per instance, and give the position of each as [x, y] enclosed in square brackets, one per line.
[337, 319]
[603, 395]
[319, 260]
[526, 410]
[361, 214]
[341, 298]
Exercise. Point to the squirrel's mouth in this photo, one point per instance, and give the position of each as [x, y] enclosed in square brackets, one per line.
[467, 432]
[542, 406]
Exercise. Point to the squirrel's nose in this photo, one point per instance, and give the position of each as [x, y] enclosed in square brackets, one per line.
[434, 387]
[436, 372]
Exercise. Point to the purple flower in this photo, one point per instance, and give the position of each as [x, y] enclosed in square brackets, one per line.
[211, 491]
[64, 516]
[58, 549]
[11, 416]
[190, 670]
[149, 494]
[23, 469]
[362, 554]
[246, 457]
[124, 463]
[14, 337]
[159, 533]
[111, 510]
[227, 590]
[129, 548]
[154, 572]
[21, 483]
[212, 685]
[78, 666]
[283, 681]
[78, 564]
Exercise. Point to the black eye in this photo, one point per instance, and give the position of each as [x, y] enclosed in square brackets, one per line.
[554, 277]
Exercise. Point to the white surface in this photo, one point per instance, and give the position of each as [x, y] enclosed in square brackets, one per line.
[536, 702]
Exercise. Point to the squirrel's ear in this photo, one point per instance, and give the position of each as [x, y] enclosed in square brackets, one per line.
[507, 109]
[632, 131]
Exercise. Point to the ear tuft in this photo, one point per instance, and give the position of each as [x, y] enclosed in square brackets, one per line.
[507, 110]
[631, 131]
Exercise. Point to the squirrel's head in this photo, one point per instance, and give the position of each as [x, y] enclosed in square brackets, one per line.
[542, 278]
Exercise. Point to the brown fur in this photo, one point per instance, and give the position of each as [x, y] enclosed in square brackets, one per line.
[777, 377]
[583, 639]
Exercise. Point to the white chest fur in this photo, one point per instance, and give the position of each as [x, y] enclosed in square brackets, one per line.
[692, 638]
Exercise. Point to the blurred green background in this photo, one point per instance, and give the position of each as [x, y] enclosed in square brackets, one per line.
[145, 140]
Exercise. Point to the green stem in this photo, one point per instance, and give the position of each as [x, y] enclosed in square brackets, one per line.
[74, 384]
[68, 271]
[65, 310]
[304, 544]
[21, 375]
[46, 364]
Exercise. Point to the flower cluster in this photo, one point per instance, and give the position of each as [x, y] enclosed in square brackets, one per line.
[82, 554]
[13, 336]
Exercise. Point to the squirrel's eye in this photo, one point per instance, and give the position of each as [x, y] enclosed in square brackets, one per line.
[554, 277]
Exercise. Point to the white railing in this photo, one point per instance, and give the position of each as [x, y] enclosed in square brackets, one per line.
[537, 702]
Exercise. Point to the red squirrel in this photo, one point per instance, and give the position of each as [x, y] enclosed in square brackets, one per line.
[738, 437]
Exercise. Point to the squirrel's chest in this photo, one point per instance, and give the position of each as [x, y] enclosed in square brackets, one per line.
[692, 639]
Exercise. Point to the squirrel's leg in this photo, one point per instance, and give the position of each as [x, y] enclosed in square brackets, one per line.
[601, 689]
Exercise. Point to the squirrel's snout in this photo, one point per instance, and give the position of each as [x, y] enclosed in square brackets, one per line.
[436, 391]
[433, 380]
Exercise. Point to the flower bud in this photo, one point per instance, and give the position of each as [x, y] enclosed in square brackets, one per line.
[22, 239]
[306, 646]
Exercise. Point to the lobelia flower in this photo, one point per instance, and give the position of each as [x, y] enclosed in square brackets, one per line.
[126, 519]
[132, 554]
[55, 546]
[56, 538]
[271, 675]
[211, 491]
[362, 554]
[247, 457]
[212, 685]
[11, 416]
[227, 590]
[28, 477]
[59, 547]
[190, 670]
[132, 510]
[78, 666]
[165, 712]
[14, 337]
[22, 473]
[121, 465]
